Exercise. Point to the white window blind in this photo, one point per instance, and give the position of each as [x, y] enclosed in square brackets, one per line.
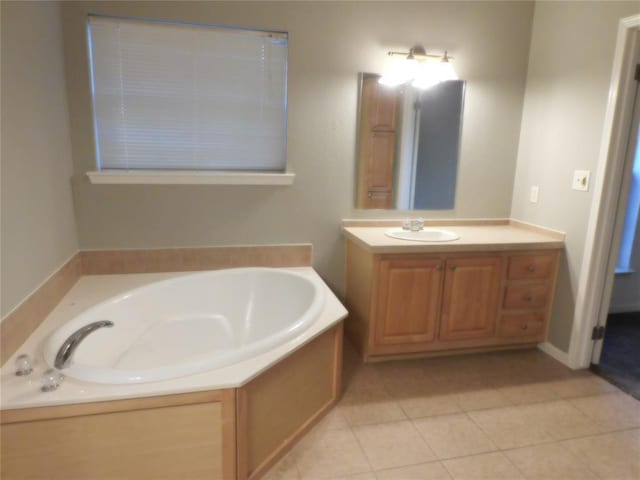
[184, 97]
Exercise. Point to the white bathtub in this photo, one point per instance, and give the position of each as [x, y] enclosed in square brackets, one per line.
[190, 324]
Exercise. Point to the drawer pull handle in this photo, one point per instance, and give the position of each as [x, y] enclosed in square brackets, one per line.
[532, 268]
[524, 326]
[452, 267]
[528, 298]
[439, 268]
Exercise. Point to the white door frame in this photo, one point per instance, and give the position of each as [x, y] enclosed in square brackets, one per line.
[611, 161]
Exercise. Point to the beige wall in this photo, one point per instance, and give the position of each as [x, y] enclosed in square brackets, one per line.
[329, 44]
[38, 226]
[570, 69]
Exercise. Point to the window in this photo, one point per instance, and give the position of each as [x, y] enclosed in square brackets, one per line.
[170, 96]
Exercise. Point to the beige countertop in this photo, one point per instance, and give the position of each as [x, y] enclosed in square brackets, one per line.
[474, 235]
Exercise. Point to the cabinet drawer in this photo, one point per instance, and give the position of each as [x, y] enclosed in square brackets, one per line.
[526, 296]
[522, 325]
[530, 266]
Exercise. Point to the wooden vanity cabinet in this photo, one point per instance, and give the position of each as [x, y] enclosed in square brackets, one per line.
[403, 304]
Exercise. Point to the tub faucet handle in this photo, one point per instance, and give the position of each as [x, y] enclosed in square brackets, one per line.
[24, 365]
[51, 380]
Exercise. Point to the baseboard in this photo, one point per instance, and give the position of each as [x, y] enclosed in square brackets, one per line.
[555, 352]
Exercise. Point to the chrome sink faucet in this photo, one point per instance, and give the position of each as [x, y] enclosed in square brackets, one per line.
[63, 358]
[413, 224]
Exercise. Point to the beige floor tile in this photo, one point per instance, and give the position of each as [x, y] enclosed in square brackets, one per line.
[560, 419]
[489, 466]
[531, 391]
[455, 369]
[430, 471]
[549, 462]
[403, 374]
[581, 384]
[453, 436]
[357, 476]
[331, 453]
[481, 397]
[425, 399]
[334, 420]
[393, 444]
[510, 427]
[364, 378]
[614, 456]
[285, 469]
[429, 405]
[613, 411]
[366, 407]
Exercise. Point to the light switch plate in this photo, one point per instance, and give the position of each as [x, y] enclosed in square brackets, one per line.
[581, 180]
[533, 194]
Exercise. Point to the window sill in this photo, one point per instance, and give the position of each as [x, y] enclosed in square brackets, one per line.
[189, 177]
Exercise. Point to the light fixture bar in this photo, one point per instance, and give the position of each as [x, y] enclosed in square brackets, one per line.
[417, 66]
[418, 53]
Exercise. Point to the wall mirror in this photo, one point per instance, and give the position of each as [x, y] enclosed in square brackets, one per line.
[408, 145]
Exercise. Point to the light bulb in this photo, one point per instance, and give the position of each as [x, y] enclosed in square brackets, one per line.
[446, 71]
[399, 71]
[426, 76]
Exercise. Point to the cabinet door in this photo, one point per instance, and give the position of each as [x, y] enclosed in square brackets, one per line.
[408, 302]
[470, 299]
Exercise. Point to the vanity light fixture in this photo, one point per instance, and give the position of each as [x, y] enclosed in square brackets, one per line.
[423, 70]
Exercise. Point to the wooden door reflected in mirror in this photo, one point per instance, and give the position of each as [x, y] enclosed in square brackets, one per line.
[408, 142]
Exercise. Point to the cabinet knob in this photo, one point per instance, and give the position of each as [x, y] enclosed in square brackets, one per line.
[452, 267]
[524, 326]
[532, 268]
[528, 298]
[439, 268]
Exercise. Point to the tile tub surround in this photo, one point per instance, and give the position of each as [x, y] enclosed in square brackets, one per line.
[24, 319]
[23, 392]
[21, 322]
[563, 434]
[99, 262]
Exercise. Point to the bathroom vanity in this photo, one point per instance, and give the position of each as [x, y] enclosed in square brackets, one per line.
[491, 288]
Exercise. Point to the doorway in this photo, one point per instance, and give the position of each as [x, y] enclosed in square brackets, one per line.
[616, 352]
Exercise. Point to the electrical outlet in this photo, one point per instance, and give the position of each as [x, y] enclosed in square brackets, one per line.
[581, 180]
[533, 194]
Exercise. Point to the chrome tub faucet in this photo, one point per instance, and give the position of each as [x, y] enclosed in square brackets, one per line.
[63, 358]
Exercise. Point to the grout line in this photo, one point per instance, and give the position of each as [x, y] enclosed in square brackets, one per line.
[364, 453]
[495, 447]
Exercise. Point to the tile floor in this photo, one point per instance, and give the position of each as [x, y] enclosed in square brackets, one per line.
[502, 415]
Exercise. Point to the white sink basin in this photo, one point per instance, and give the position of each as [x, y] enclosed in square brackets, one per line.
[425, 235]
